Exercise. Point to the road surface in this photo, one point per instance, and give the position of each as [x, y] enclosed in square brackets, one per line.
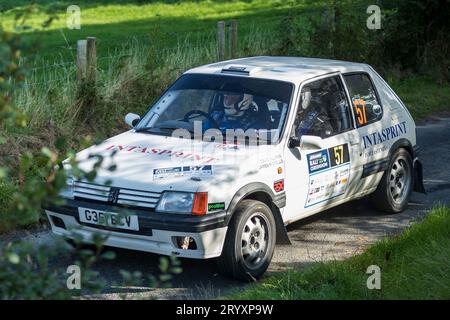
[335, 234]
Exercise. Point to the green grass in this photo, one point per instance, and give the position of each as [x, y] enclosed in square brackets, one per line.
[414, 265]
[115, 22]
[422, 95]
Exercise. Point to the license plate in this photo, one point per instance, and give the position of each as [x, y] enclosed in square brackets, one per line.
[109, 219]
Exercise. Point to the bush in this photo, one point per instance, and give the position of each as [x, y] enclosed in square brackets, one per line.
[416, 36]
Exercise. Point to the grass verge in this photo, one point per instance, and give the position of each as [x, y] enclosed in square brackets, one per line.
[414, 265]
[422, 95]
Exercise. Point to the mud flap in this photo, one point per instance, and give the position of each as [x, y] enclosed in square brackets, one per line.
[418, 177]
[282, 235]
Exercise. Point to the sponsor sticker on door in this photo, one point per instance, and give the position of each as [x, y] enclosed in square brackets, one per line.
[329, 174]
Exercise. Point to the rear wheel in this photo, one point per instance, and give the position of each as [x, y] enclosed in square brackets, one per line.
[250, 242]
[394, 190]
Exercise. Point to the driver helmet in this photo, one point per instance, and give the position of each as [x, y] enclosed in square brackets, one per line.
[235, 105]
[235, 101]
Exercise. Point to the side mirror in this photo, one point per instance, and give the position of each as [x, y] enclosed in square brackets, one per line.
[132, 119]
[311, 142]
[294, 142]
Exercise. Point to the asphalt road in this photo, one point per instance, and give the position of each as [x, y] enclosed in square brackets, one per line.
[335, 234]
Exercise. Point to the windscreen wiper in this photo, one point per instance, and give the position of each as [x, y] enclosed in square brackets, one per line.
[161, 130]
[150, 130]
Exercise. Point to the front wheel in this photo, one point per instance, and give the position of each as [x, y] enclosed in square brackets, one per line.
[250, 242]
[394, 190]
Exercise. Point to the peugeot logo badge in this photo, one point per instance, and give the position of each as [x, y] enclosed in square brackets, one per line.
[113, 196]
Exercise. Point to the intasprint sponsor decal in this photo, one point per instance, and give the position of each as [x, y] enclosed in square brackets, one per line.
[181, 171]
[162, 152]
[384, 135]
[329, 174]
[216, 206]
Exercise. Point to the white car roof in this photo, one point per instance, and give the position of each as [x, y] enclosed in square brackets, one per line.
[292, 69]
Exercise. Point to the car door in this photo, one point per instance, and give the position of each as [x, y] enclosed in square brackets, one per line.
[324, 157]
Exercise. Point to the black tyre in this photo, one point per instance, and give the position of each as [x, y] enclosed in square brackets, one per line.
[394, 190]
[250, 242]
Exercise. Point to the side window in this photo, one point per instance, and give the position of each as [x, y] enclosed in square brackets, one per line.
[323, 110]
[365, 102]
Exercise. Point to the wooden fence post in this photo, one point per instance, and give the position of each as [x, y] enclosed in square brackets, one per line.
[81, 60]
[221, 39]
[233, 38]
[91, 59]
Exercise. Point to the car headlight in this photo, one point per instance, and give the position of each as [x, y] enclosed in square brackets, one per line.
[67, 191]
[183, 202]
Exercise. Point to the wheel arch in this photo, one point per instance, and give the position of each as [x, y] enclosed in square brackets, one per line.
[402, 143]
[261, 192]
[417, 165]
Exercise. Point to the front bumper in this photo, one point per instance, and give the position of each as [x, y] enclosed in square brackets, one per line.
[157, 231]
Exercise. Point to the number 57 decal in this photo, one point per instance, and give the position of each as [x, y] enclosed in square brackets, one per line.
[339, 155]
[360, 109]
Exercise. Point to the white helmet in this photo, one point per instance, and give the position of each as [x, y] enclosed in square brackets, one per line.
[237, 109]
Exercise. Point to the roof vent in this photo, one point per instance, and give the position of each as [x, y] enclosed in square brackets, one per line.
[242, 70]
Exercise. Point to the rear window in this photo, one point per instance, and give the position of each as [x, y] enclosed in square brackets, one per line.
[366, 105]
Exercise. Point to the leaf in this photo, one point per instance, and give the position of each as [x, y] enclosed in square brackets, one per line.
[177, 270]
[126, 275]
[3, 173]
[13, 258]
[47, 152]
[165, 277]
[163, 264]
[109, 255]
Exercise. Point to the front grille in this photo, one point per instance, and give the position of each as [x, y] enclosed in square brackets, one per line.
[126, 196]
[91, 191]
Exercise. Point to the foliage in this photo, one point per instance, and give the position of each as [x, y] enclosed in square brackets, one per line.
[414, 35]
[26, 271]
[10, 74]
[417, 36]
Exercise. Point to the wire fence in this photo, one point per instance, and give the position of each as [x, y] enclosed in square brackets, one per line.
[69, 68]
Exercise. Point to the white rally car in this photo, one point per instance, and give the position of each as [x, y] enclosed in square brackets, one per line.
[235, 151]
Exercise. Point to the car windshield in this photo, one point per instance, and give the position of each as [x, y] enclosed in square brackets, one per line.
[199, 103]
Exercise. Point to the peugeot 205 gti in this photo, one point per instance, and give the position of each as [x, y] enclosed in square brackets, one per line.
[234, 151]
